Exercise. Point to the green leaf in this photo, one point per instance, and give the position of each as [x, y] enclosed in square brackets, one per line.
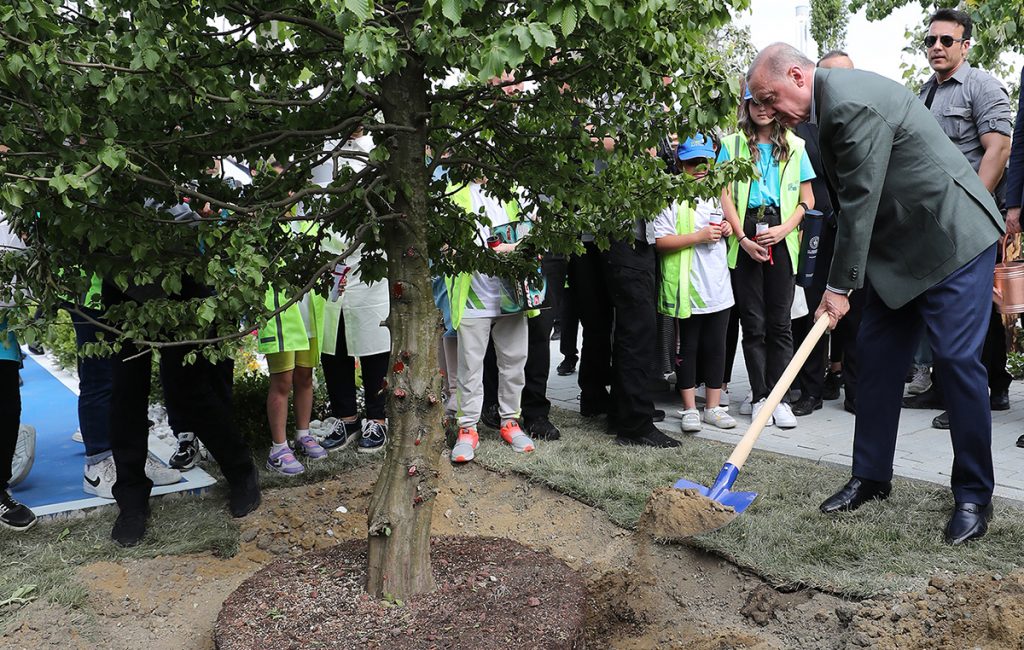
[569, 20]
[452, 10]
[150, 58]
[59, 183]
[363, 9]
[542, 35]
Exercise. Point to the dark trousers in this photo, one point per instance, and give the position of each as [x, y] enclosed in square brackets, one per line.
[993, 354]
[702, 343]
[732, 337]
[955, 314]
[10, 417]
[535, 403]
[764, 298]
[95, 385]
[811, 378]
[565, 308]
[340, 374]
[614, 294]
[200, 386]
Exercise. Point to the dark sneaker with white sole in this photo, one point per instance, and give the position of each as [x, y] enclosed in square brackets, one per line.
[15, 515]
[130, 527]
[187, 453]
[375, 436]
[342, 434]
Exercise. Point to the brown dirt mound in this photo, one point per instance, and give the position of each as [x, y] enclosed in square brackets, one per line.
[492, 593]
[672, 514]
[975, 611]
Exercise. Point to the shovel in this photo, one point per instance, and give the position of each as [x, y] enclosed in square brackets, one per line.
[719, 491]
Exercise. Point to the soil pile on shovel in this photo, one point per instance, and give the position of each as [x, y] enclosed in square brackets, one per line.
[672, 514]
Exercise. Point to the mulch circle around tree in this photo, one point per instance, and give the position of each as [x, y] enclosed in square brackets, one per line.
[491, 593]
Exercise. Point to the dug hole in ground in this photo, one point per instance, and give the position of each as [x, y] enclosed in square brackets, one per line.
[640, 594]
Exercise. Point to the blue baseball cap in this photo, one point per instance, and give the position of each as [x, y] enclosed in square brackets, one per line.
[697, 146]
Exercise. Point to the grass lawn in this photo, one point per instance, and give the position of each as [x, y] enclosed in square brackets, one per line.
[887, 546]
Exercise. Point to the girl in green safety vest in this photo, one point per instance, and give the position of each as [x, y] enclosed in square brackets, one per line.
[764, 214]
[696, 289]
[290, 340]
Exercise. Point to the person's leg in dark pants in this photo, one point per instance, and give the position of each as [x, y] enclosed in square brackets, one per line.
[812, 374]
[732, 339]
[129, 430]
[569, 324]
[630, 273]
[13, 515]
[535, 404]
[850, 327]
[994, 356]
[198, 386]
[589, 293]
[10, 416]
[375, 369]
[748, 286]
[887, 340]
[95, 386]
[778, 304]
[956, 313]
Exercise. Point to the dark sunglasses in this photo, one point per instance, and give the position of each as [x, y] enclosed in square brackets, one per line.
[945, 39]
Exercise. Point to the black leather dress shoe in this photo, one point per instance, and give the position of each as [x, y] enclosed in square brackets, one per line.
[806, 405]
[969, 521]
[854, 494]
[1000, 401]
[850, 406]
[941, 421]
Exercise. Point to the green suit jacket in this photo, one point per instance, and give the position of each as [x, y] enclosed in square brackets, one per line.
[912, 210]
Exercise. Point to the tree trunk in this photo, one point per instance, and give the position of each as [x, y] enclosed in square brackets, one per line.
[402, 501]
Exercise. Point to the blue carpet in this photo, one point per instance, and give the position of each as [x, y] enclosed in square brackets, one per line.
[55, 483]
[52, 408]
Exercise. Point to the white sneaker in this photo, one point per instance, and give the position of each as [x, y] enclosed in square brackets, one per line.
[783, 416]
[724, 399]
[745, 407]
[719, 417]
[100, 477]
[77, 436]
[689, 421]
[756, 408]
[24, 454]
[701, 394]
[159, 473]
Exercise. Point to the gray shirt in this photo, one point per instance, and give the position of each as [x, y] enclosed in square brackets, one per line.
[968, 105]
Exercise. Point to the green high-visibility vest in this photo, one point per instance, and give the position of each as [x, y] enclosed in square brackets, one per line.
[789, 193]
[677, 295]
[286, 331]
[459, 288]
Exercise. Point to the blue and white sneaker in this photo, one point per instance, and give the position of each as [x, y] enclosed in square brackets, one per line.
[342, 434]
[375, 436]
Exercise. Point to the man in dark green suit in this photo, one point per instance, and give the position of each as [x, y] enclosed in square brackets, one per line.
[917, 224]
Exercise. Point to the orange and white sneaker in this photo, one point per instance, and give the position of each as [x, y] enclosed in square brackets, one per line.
[465, 445]
[513, 435]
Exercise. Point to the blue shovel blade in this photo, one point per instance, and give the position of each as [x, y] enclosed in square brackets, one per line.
[738, 501]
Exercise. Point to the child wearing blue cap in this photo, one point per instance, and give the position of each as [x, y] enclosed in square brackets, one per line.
[696, 289]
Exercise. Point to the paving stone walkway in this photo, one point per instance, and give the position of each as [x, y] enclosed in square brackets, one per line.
[827, 435]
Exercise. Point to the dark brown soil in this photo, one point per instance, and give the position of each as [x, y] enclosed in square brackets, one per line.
[492, 593]
[672, 514]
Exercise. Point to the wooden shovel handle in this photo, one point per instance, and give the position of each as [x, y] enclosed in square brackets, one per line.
[739, 455]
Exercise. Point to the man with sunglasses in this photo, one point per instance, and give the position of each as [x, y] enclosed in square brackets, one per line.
[973, 109]
[918, 227]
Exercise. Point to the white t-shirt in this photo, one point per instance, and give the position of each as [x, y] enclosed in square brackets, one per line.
[485, 290]
[709, 271]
